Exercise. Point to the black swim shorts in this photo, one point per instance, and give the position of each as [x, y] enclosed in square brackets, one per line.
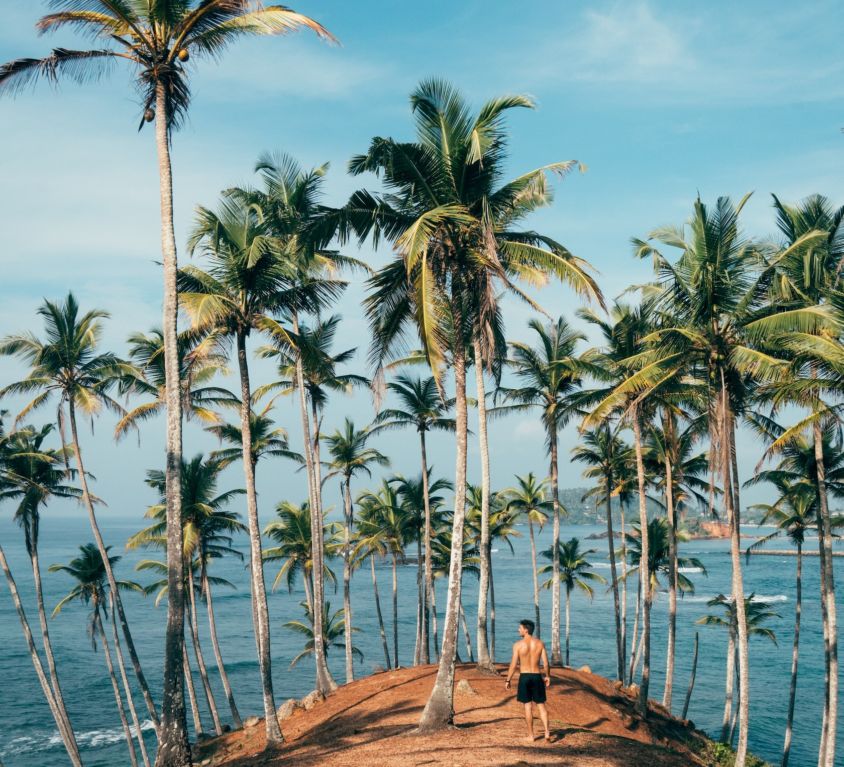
[531, 689]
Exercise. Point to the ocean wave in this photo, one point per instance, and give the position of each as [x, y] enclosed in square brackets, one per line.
[768, 599]
[689, 569]
[26, 744]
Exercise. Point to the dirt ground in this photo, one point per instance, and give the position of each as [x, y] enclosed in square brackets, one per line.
[371, 722]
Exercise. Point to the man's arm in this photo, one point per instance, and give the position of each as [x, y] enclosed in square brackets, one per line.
[512, 669]
[544, 660]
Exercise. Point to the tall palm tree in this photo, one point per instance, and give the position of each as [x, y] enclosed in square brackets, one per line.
[550, 376]
[291, 533]
[529, 500]
[454, 229]
[575, 570]
[208, 530]
[34, 475]
[89, 572]
[421, 407]
[9, 480]
[349, 456]
[793, 514]
[603, 452]
[157, 40]
[67, 365]
[385, 520]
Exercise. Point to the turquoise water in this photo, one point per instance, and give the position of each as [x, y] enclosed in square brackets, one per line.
[28, 737]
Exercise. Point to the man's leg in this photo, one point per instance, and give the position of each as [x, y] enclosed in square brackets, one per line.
[529, 721]
[543, 715]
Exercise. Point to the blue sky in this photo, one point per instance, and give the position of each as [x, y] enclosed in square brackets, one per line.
[660, 100]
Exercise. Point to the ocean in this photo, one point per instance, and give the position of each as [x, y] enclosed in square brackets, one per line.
[28, 737]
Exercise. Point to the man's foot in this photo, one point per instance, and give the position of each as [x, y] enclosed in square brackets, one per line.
[531, 738]
[549, 738]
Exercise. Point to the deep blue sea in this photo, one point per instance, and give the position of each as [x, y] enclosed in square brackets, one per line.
[28, 737]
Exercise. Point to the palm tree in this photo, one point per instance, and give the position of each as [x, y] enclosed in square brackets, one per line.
[89, 572]
[528, 499]
[10, 480]
[208, 530]
[756, 612]
[660, 556]
[575, 571]
[33, 477]
[793, 514]
[421, 407]
[67, 365]
[384, 519]
[158, 40]
[200, 359]
[604, 453]
[349, 456]
[335, 627]
[453, 229]
[550, 376]
[292, 534]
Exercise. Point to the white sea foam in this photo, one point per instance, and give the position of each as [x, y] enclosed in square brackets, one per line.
[689, 569]
[26, 744]
[768, 599]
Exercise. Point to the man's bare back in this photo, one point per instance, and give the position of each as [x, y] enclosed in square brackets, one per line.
[529, 651]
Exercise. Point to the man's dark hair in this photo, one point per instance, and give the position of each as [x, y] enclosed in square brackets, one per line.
[529, 625]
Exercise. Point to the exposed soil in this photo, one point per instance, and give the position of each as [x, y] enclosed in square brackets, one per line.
[372, 721]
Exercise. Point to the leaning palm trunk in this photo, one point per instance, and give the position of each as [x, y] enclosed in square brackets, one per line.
[623, 532]
[734, 516]
[619, 639]
[692, 676]
[127, 690]
[124, 722]
[200, 658]
[194, 706]
[259, 591]
[644, 573]
[173, 748]
[395, 612]
[438, 712]
[172, 595]
[45, 635]
[379, 613]
[568, 622]
[556, 655]
[218, 655]
[826, 560]
[428, 574]
[492, 615]
[347, 579]
[325, 683]
[434, 624]
[484, 659]
[730, 683]
[68, 738]
[792, 690]
[672, 567]
[466, 635]
[420, 602]
[634, 638]
[535, 577]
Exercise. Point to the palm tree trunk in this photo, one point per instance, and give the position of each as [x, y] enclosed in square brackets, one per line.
[256, 559]
[194, 707]
[45, 634]
[634, 639]
[535, 577]
[127, 733]
[325, 682]
[127, 690]
[484, 659]
[492, 615]
[736, 712]
[466, 635]
[434, 623]
[218, 655]
[729, 685]
[67, 735]
[826, 560]
[395, 612]
[734, 514]
[691, 679]
[644, 569]
[792, 691]
[347, 579]
[619, 650]
[672, 564]
[420, 601]
[438, 712]
[168, 731]
[623, 513]
[173, 746]
[556, 655]
[379, 613]
[429, 576]
[568, 622]
[200, 658]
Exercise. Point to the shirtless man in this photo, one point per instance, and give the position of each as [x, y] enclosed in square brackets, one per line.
[528, 654]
